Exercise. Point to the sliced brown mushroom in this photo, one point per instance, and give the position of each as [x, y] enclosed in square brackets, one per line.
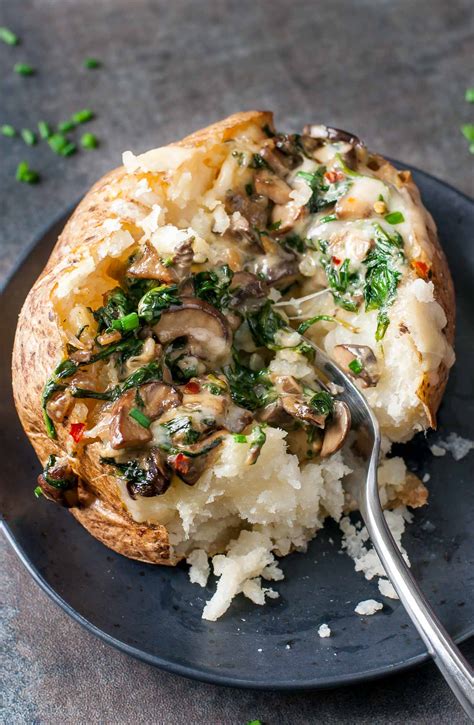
[59, 484]
[148, 265]
[280, 274]
[206, 330]
[183, 259]
[298, 408]
[270, 185]
[287, 384]
[157, 479]
[153, 399]
[275, 414]
[350, 207]
[336, 431]
[369, 373]
[248, 292]
[319, 131]
[280, 163]
[189, 468]
[253, 208]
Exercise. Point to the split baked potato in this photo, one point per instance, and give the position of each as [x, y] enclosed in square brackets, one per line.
[170, 394]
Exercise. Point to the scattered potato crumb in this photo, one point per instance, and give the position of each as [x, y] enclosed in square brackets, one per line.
[426, 478]
[387, 589]
[368, 607]
[437, 450]
[324, 631]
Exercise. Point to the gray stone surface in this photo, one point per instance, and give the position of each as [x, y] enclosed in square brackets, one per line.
[393, 72]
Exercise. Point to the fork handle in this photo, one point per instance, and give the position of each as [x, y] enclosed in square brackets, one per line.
[454, 667]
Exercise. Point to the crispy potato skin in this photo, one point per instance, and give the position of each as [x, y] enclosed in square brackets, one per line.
[38, 349]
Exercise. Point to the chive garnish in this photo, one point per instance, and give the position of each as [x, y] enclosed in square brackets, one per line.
[25, 174]
[356, 366]
[469, 95]
[89, 141]
[126, 323]
[57, 142]
[24, 69]
[44, 129]
[467, 131]
[8, 37]
[140, 417]
[66, 126]
[28, 136]
[7, 130]
[38, 491]
[82, 116]
[69, 149]
[92, 63]
[395, 217]
[240, 438]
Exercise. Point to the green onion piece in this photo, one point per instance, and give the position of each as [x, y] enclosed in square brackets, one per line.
[69, 149]
[356, 366]
[82, 116]
[89, 141]
[140, 417]
[8, 37]
[25, 174]
[471, 148]
[92, 63]
[66, 126]
[240, 438]
[395, 217]
[38, 492]
[28, 136]
[7, 130]
[254, 722]
[327, 218]
[469, 95]
[44, 129]
[126, 323]
[23, 69]
[468, 132]
[57, 142]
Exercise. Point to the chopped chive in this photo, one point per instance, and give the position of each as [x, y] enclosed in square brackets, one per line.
[28, 136]
[66, 126]
[23, 69]
[8, 37]
[140, 417]
[126, 323]
[44, 129]
[240, 438]
[395, 217]
[25, 174]
[7, 130]
[356, 366]
[57, 142]
[82, 116]
[92, 63]
[469, 95]
[89, 141]
[467, 131]
[38, 492]
[69, 149]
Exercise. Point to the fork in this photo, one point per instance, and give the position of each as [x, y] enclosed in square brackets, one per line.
[456, 670]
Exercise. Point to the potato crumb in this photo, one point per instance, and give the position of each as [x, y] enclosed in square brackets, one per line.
[368, 607]
[324, 631]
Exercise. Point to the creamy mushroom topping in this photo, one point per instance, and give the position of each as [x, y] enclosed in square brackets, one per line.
[196, 341]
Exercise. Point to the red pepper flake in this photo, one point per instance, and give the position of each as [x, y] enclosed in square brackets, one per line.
[333, 176]
[336, 260]
[421, 268]
[181, 463]
[76, 430]
[192, 387]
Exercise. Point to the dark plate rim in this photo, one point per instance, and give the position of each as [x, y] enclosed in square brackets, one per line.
[192, 672]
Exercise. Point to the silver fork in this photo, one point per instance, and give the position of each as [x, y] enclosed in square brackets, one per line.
[454, 667]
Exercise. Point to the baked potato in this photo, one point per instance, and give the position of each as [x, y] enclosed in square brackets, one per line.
[160, 369]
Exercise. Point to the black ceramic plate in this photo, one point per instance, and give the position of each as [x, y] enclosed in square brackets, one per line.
[154, 613]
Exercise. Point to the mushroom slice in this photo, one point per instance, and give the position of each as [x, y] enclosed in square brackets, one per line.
[287, 384]
[206, 330]
[190, 463]
[275, 414]
[318, 131]
[253, 208]
[157, 478]
[280, 163]
[295, 406]
[336, 432]
[183, 259]
[366, 368]
[279, 273]
[148, 265]
[155, 399]
[304, 444]
[270, 185]
[248, 291]
[58, 482]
